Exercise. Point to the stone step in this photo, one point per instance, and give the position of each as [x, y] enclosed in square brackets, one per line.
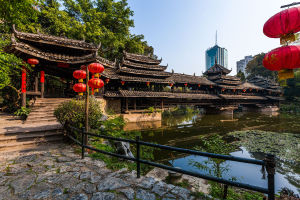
[11, 146]
[42, 109]
[29, 136]
[40, 120]
[31, 129]
[41, 114]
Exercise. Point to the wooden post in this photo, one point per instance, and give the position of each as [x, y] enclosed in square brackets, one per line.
[87, 106]
[162, 104]
[23, 87]
[126, 102]
[42, 80]
[36, 83]
[134, 103]
[24, 99]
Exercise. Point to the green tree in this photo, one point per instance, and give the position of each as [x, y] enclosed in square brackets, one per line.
[255, 68]
[108, 22]
[241, 75]
[24, 14]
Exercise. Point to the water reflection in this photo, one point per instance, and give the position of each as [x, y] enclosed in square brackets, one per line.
[184, 131]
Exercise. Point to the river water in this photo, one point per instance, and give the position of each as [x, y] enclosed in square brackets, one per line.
[282, 137]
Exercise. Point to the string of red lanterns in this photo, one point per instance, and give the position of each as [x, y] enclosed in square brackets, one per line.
[96, 82]
[80, 87]
[284, 59]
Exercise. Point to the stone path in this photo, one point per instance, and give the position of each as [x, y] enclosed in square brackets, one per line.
[58, 173]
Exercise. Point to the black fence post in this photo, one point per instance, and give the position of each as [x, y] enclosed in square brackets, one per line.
[138, 164]
[82, 143]
[225, 191]
[270, 167]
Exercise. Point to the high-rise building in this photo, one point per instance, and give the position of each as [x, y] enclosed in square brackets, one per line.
[216, 53]
[242, 64]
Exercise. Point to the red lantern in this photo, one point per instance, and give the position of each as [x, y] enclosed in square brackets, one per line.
[23, 81]
[171, 84]
[96, 68]
[96, 83]
[122, 82]
[199, 85]
[283, 23]
[286, 57]
[83, 67]
[79, 74]
[147, 83]
[223, 89]
[185, 84]
[244, 90]
[33, 61]
[107, 80]
[42, 73]
[80, 88]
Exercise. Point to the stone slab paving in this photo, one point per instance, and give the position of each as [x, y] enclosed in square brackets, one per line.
[58, 173]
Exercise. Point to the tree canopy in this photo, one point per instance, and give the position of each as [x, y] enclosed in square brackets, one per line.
[105, 21]
[255, 68]
[97, 21]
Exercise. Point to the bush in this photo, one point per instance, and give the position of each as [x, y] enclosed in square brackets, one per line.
[11, 100]
[23, 112]
[73, 113]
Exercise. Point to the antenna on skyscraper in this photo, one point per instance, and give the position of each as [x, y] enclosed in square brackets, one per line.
[216, 37]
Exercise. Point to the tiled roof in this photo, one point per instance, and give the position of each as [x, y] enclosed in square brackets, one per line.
[54, 40]
[228, 82]
[127, 93]
[144, 66]
[183, 78]
[142, 79]
[28, 49]
[140, 58]
[144, 72]
[217, 69]
[243, 97]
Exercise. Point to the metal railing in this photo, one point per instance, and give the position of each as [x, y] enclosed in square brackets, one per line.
[268, 162]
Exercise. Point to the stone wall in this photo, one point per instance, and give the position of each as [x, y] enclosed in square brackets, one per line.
[110, 105]
[142, 125]
[142, 117]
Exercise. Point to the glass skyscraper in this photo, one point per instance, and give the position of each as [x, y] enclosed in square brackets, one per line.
[214, 53]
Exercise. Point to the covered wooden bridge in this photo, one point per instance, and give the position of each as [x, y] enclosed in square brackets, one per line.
[135, 82]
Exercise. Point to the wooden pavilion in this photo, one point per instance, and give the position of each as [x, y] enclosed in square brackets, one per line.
[57, 56]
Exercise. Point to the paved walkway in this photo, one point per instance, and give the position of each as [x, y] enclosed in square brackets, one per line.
[56, 172]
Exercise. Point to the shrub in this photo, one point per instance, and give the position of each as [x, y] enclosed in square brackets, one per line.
[23, 112]
[73, 113]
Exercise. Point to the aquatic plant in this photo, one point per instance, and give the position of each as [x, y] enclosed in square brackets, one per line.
[284, 145]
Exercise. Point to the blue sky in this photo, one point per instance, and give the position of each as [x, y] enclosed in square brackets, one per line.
[181, 30]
